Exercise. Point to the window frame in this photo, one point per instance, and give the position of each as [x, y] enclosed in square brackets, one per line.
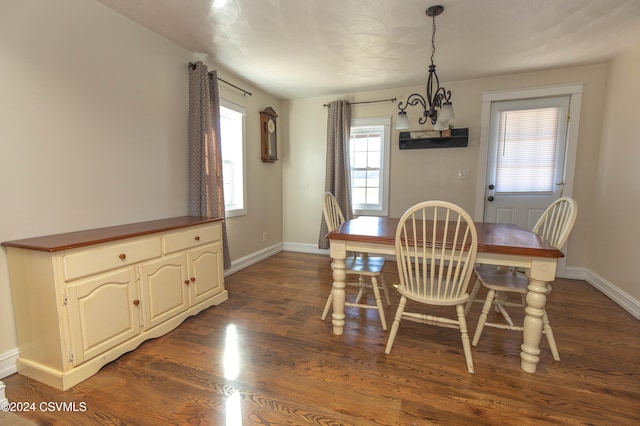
[384, 123]
[238, 211]
[574, 90]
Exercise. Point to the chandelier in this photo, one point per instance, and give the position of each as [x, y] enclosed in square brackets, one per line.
[437, 107]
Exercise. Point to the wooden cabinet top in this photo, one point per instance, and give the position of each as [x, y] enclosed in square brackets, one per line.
[70, 240]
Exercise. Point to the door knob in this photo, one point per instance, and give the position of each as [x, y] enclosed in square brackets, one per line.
[490, 198]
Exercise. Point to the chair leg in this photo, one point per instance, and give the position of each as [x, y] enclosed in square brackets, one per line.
[385, 288]
[376, 292]
[464, 334]
[483, 316]
[396, 324]
[362, 285]
[472, 295]
[327, 305]
[550, 338]
[504, 312]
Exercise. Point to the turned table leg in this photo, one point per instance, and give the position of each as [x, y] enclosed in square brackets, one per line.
[338, 254]
[532, 333]
[541, 273]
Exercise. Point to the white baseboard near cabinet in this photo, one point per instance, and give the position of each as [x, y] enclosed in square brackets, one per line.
[239, 264]
[622, 298]
[8, 362]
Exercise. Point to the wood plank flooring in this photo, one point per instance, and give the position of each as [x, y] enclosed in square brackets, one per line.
[264, 357]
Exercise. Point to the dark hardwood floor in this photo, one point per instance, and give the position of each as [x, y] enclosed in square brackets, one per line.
[264, 357]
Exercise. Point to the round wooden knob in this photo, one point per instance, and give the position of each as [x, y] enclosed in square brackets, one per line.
[193, 279]
[123, 256]
[197, 238]
[136, 302]
[186, 282]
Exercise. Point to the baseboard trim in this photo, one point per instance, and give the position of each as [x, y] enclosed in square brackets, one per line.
[239, 264]
[8, 362]
[575, 273]
[622, 298]
[305, 248]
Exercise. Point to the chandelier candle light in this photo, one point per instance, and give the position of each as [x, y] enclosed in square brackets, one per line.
[437, 96]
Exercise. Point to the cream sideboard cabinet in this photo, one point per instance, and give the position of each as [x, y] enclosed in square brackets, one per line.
[84, 298]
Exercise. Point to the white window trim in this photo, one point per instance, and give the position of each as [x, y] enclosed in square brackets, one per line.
[240, 109]
[574, 90]
[386, 149]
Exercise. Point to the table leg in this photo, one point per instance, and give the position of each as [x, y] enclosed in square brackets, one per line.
[532, 333]
[541, 273]
[338, 254]
[339, 277]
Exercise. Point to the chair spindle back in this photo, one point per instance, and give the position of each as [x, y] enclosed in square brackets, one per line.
[436, 244]
[331, 210]
[557, 221]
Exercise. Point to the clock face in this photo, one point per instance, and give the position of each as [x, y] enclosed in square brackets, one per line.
[271, 126]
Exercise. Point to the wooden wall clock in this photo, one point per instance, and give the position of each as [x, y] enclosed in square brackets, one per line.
[268, 135]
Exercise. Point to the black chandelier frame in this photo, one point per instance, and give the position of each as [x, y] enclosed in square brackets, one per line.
[436, 94]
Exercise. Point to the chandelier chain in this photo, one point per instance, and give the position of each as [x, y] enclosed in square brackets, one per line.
[438, 99]
[433, 40]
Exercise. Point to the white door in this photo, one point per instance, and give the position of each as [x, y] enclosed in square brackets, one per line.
[526, 159]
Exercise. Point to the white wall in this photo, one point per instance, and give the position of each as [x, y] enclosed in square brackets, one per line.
[93, 132]
[422, 174]
[616, 229]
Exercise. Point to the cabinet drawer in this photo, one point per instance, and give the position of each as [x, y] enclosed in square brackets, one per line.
[112, 256]
[192, 237]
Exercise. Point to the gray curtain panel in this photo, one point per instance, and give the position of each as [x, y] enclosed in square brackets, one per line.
[206, 193]
[337, 179]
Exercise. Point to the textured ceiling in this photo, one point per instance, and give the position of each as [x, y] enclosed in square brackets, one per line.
[302, 48]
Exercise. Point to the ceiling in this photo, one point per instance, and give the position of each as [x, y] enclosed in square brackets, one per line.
[304, 48]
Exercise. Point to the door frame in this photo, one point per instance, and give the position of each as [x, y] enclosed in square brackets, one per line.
[575, 91]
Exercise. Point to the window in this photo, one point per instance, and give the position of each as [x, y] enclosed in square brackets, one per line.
[232, 141]
[369, 165]
[530, 145]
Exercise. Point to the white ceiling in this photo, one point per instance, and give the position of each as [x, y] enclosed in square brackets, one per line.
[302, 48]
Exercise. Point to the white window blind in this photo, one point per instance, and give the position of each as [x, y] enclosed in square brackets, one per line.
[369, 165]
[527, 146]
[232, 137]
[365, 158]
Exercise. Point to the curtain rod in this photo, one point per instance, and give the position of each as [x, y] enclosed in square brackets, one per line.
[369, 102]
[244, 92]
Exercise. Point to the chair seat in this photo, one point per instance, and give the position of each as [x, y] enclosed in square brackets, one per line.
[432, 300]
[502, 279]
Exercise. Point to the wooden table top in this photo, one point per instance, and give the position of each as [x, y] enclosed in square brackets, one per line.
[492, 237]
[69, 240]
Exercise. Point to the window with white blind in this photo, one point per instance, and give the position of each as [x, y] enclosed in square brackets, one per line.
[529, 156]
[232, 138]
[369, 165]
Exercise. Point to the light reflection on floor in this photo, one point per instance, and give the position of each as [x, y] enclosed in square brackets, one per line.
[231, 365]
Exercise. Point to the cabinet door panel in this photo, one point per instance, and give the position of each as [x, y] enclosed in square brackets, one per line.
[102, 313]
[164, 287]
[204, 272]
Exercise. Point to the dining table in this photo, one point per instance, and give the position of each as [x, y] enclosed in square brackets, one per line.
[498, 244]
